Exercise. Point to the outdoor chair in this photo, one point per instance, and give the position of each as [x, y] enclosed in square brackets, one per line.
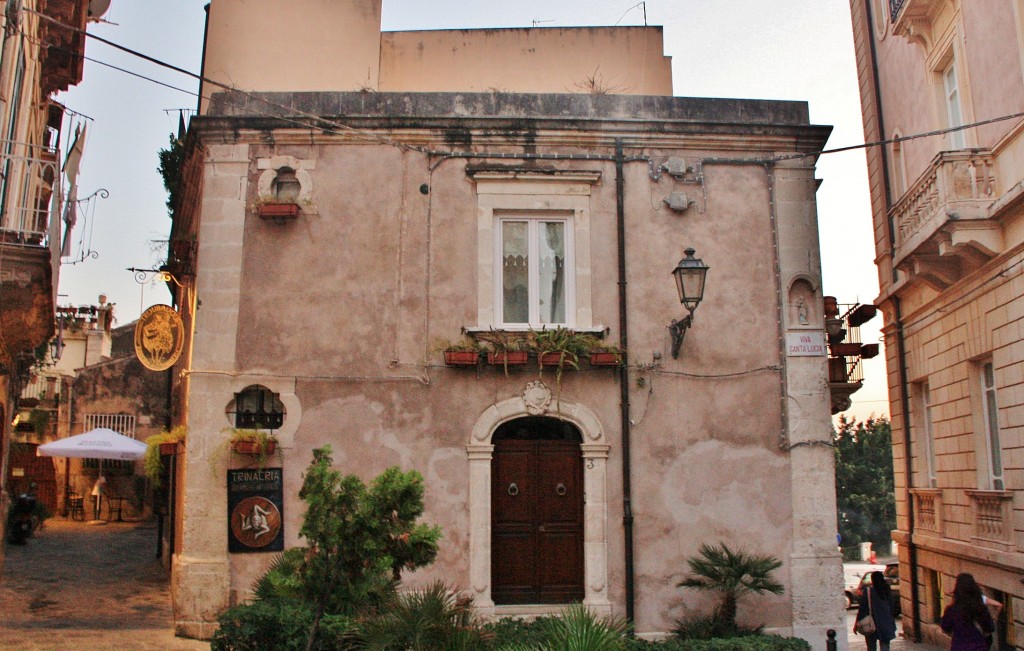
[75, 507]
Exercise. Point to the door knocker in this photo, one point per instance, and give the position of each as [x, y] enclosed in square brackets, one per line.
[513, 490]
[560, 490]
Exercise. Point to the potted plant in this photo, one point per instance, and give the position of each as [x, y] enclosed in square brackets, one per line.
[464, 353]
[254, 442]
[507, 348]
[158, 446]
[562, 347]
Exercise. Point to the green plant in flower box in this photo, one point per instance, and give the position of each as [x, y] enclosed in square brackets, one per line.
[152, 463]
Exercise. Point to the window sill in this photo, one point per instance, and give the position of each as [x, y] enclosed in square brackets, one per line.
[598, 331]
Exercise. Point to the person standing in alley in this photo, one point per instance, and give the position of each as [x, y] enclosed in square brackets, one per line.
[97, 496]
[877, 601]
[967, 621]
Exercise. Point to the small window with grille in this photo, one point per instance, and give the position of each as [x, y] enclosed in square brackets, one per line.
[257, 407]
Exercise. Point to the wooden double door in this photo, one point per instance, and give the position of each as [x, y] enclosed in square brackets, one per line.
[537, 517]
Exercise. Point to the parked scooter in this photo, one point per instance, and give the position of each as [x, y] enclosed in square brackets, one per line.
[21, 520]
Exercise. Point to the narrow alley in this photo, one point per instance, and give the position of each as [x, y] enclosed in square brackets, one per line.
[84, 587]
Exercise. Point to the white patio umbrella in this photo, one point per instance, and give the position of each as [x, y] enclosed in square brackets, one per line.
[100, 443]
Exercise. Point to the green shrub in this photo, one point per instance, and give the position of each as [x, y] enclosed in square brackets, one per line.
[509, 631]
[435, 619]
[576, 629]
[279, 624]
[710, 627]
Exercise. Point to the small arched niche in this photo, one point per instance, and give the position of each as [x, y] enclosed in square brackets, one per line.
[803, 305]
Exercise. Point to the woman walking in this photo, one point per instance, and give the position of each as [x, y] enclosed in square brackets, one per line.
[967, 620]
[877, 602]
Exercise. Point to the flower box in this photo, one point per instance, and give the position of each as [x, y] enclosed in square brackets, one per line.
[845, 350]
[604, 358]
[254, 448]
[461, 357]
[278, 211]
[507, 357]
[553, 358]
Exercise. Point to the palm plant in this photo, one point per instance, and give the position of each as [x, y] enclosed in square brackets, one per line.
[435, 619]
[733, 574]
[577, 629]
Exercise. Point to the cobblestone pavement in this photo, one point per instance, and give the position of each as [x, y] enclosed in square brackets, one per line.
[87, 587]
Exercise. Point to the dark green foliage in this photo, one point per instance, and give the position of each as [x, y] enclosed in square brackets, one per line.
[435, 619]
[278, 624]
[576, 629]
[358, 539]
[865, 495]
[171, 161]
[709, 627]
[579, 630]
[282, 579]
[733, 574]
[40, 419]
[508, 631]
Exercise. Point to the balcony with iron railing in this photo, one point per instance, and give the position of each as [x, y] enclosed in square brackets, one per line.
[40, 389]
[913, 18]
[943, 225]
[845, 349]
[29, 192]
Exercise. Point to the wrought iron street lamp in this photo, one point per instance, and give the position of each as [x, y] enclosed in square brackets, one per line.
[690, 274]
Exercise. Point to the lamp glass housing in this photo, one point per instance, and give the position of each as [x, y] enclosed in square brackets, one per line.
[690, 274]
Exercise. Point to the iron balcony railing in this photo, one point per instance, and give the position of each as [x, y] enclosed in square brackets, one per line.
[30, 192]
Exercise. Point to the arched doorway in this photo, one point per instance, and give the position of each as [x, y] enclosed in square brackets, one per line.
[537, 537]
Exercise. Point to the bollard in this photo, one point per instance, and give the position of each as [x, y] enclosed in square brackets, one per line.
[830, 644]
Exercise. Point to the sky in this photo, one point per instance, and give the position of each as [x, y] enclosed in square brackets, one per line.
[764, 49]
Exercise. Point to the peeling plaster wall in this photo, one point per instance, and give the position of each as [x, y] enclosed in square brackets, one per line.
[341, 311]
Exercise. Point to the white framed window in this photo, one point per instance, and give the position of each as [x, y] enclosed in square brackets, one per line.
[533, 243]
[534, 260]
[928, 433]
[954, 110]
[899, 168]
[990, 413]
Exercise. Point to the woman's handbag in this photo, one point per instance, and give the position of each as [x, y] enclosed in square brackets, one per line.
[866, 625]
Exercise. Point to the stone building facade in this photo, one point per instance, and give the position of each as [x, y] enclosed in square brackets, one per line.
[949, 233]
[424, 214]
[41, 54]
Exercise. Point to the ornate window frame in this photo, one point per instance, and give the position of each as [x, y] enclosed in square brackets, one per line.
[532, 193]
[536, 400]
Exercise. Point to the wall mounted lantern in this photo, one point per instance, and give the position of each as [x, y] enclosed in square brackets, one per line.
[690, 274]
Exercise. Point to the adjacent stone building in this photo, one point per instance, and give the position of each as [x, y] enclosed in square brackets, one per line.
[949, 232]
[41, 53]
[364, 198]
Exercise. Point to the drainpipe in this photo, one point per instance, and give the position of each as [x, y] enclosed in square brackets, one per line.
[202, 63]
[627, 479]
[901, 353]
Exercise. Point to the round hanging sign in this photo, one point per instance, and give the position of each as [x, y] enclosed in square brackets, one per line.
[159, 337]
